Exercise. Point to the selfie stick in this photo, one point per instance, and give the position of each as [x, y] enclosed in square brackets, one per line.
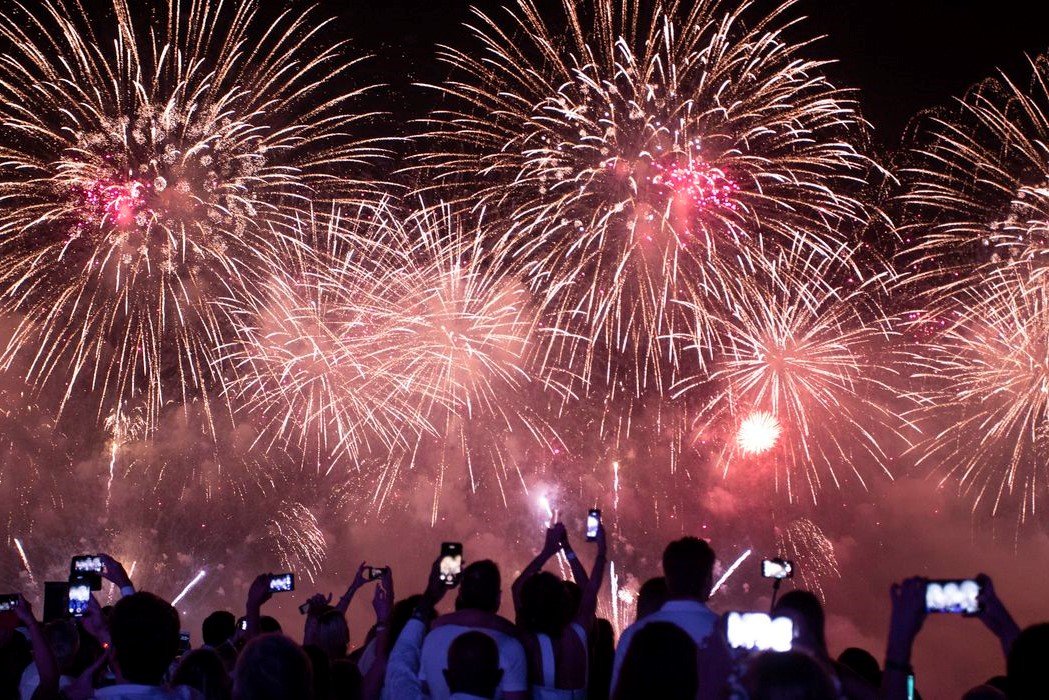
[775, 590]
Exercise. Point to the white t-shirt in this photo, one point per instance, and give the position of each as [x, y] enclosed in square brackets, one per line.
[434, 660]
[31, 681]
[690, 615]
[133, 691]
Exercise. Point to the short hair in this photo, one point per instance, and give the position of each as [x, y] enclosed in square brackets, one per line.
[1025, 666]
[218, 627]
[144, 630]
[269, 625]
[862, 663]
[272, 667]
[473, 665]
[661, 662]
[480, 587]
[808, 607]
[651, 596]
[688, 564]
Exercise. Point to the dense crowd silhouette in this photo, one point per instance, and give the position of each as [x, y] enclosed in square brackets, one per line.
[556, 647]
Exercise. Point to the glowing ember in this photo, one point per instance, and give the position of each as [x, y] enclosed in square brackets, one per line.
[758, 433]
[702, 184]
[116, 202]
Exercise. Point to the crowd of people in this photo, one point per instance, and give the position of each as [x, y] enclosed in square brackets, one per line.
[556, 647]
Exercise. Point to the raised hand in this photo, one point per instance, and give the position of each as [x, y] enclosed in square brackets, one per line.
[113, 570]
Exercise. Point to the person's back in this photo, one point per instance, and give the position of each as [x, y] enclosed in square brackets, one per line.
[791, 675]
[476, 608]
[1026, 668]
[272, 667]
[473, 667]
[556, 647]
[204, 670]
[144, 632]
[688, 566]
[661, 663]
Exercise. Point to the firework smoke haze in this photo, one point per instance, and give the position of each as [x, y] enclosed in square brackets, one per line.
[160, 150]
[644, 154]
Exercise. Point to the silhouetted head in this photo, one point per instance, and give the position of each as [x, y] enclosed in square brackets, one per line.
[269, 625]
[862, 663]
[332, 634]
[651, 596]
[218, 627]
[1026, 667]
[544, 604]
[688, 565]
[805, 610]
[204, 670]
[661, 662]
[272, 667]
[144, 632]
[480, 588]
[790, 675]
[473, 665]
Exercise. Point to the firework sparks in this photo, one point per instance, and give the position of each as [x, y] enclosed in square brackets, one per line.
[803, 542]
[643, 161]
[800, 387]
[25, 560]
[151, 175]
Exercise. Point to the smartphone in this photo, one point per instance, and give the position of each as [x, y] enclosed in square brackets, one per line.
[953, 596]
[451, 563]
[242, 623]
[282, 583]
[87, 568]
[777, 568]
[183, 643]
[373, 572]
[79, 597]
[759, 631]
[8, 602]
[593, 521]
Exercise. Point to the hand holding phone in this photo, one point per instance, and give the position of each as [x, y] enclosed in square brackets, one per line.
[372, 573]
[593, 521]
[959, 596]
[8, 602]
[282, 583]
[79, 597]
[451, 563]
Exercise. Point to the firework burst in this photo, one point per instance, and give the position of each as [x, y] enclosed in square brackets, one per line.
[986, 394]
[644, 155]
[977, 185]
[799, 388]
[151, 174]
[803, 542]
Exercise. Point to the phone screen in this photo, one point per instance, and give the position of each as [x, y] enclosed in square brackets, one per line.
[87, 568]
[593, 520]
[374, 572]
[79, 596]
[777, 568]
[451, 566]
[759, 631]
[282, 583]
[8, 602]
[959, 596]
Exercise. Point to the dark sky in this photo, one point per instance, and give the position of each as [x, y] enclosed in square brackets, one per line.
[903, 55]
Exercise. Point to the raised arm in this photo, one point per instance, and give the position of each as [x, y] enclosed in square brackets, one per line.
[42, 655]
[588, 602]
[355, 585]
[258, 593]
[995, 616]
[382, 602]
[908, 615]
[578, 572]
[554, 536]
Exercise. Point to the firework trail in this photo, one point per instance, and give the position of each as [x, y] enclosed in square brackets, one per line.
[189, 586]
[148, 175]
[729, 571]
[644, 155]
[803, 542]
[976, 192]
[25, 561]
[800, 390]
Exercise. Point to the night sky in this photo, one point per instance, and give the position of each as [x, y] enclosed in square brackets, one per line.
[902, 55]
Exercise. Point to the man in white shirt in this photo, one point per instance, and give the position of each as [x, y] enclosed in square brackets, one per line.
[688, 565]
[475, 609]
